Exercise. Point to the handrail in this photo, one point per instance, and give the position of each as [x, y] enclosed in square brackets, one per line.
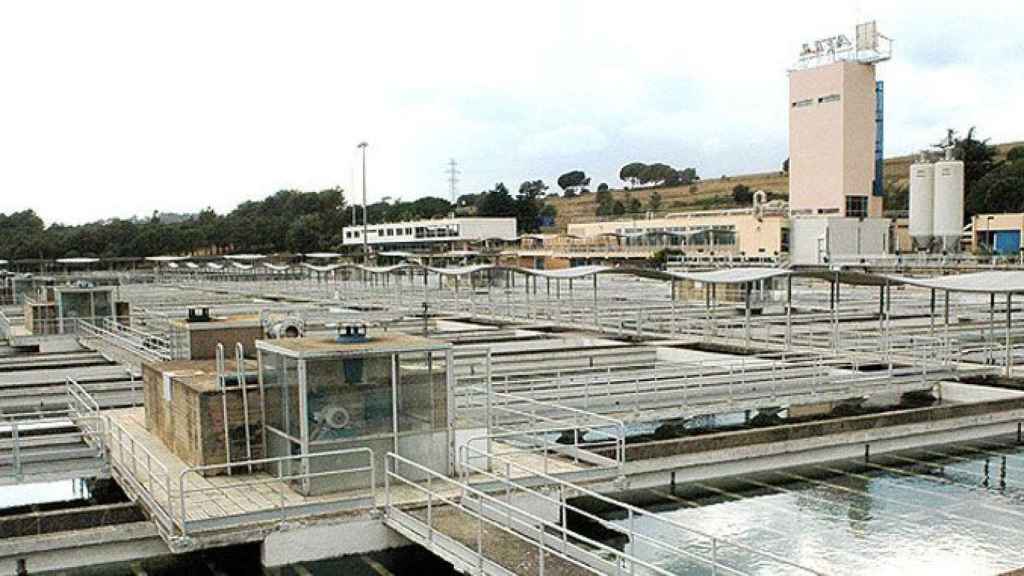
[130, 455]
[14, 427]
[633, 512]
[90, 330]
[552, 538]
[80, 397]
[243, 481]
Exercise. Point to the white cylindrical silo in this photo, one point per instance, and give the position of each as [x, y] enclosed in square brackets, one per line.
[922, 203]
[949, 203]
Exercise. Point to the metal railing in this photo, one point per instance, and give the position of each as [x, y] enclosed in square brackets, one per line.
[170, 498]
[19, 443]
[154, 350]
[553, 541]
[50, 441]
[560, 434]
[655, 534]
[5, 325]
[84, 411]
[280, 483]
[143, 475]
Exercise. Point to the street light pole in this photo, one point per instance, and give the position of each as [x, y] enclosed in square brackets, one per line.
[366, 252]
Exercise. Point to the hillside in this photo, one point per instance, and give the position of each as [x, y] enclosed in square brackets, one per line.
[715, 193]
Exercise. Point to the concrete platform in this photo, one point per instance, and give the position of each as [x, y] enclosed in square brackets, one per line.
[245, 506]
[217, 502]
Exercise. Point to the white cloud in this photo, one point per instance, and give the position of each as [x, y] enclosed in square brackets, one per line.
[117, 107]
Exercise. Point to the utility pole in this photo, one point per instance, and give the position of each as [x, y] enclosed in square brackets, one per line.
[366, 251]
[453, 178]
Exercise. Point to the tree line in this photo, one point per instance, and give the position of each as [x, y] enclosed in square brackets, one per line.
[287, 221]
[527, 206]
[633, 175]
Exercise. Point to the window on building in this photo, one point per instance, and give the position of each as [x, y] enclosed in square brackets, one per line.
[857, 206]
[348, 234]
[829, 98]
[803, 103]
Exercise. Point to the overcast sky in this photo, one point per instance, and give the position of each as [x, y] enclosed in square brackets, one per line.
[121, 108]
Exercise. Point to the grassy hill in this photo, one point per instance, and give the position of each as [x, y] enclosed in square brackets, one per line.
[715, 193]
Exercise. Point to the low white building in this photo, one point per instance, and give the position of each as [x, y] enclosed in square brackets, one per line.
[428, 234]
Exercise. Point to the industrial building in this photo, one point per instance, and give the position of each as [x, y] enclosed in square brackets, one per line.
[756, 234]
[522, 401]
[558, 413]
[997, 233]
[452, 233]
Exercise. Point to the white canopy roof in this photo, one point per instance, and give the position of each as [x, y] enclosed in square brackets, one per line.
[989, 281]
[166, 258]
[322, 255]
[244, 256]
[325, 268]
[459, 270]
[730, 275]
[79, 260]
[566, 273]
[275, 267]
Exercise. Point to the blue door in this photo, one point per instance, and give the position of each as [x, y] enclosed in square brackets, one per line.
[1007, 242]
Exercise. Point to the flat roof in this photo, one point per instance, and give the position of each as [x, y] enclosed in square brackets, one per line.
[219, 322]
[199, 375]
[378, 343]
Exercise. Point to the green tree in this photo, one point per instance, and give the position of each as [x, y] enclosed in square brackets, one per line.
[605, 202]
[654, 202]
[634, 205]
[630, 173]
[1000, 190]
[897, 197]
[497, 202]
[742, 194]
[688, 176]
[1015, 154]
[573, 182]
[529, 204]
[656, 174]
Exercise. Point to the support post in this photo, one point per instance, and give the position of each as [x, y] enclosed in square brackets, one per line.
[746, 315]
[789, 312]
[1009, 335]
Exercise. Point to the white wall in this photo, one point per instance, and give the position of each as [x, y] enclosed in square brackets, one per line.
[815, 239]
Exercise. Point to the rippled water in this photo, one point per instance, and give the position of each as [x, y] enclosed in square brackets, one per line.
[946, 511]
